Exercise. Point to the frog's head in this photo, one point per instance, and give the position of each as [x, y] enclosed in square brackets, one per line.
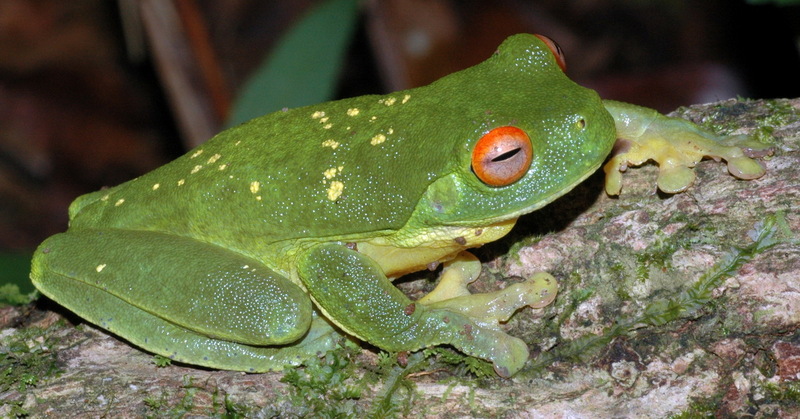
[538, 134]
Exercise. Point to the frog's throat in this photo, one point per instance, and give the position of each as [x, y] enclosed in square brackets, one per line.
[398, 256]
[406, 251]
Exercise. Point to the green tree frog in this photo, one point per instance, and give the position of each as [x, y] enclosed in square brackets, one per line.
[262, 247]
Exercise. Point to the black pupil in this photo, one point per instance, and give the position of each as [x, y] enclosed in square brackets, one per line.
[507, 155]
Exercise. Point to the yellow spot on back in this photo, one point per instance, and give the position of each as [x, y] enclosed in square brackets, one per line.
[389, 101]
[329, 173]
[390, 131]
[335, 190]
[330, 143]
[213, 159]
[222, 166]
[181, 182]
[99, 268]
[156, 186]
[324, 120]
[406, 98]
[196, 169]
[377, 139]
[317, 114]
[119, 202]
[327, 126]
[196, 153]
[258, 198]
[353, 111]
[104, 198]
[373, 118]
[255, 186]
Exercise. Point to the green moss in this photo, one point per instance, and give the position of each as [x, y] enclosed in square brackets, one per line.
[657, 256]
[770, 114]
[779, 113]
[464, 365]
[701, 408]
[576, 297]
[685, 305]
[784, 392]
[331, 386]
[26, 360]
[161, 361]
[398, 392]
[324, 387]
[233, 410]
[160, 405]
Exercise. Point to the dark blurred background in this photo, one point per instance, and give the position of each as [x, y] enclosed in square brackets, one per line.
[95, 92]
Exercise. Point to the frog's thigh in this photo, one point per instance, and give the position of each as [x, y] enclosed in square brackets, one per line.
[159, 336]
[355, 294]
[178, 297]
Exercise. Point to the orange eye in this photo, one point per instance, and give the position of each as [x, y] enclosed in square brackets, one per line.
[502, 156]
[556, 50]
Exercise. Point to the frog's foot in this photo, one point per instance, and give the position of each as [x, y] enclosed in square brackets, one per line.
[492, 308]
[676, 145]
[351, 289]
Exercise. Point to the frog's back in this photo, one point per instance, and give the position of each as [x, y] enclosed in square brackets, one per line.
[356, 168]
[329, 170]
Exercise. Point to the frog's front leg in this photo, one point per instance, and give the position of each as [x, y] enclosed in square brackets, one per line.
[676, 145]
[181, 298]
[351, 289]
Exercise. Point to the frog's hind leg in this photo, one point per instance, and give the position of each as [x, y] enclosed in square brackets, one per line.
[181, 298]
[355, 294]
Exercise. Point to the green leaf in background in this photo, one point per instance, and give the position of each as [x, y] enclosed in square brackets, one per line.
[15, 285]
[304, 67]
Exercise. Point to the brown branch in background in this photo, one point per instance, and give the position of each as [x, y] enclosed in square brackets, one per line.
[207, 62]
[187, 67]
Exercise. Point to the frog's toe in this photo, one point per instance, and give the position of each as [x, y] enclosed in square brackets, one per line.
[675, 179]
[747, 144]
[745, 168]
[613, 170]
[456, 275]
[510, 359]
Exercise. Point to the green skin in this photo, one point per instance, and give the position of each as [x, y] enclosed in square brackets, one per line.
[262, 247]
